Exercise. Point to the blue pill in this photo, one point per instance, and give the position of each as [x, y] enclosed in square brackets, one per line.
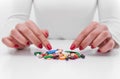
[51, 51]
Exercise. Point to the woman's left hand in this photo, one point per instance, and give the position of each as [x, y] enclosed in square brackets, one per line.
[95, 35]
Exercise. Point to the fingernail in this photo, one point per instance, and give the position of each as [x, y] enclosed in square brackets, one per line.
[16, 46]
[99, 51]
[49, 47]
[28, 43]
[40, 45]
[72, 47]
[92, 47]
[81, 48]
[46, 34]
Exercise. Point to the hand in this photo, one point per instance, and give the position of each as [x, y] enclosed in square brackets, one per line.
[25, 34]
[95, 35]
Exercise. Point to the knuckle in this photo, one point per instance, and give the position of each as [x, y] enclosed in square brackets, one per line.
[18, 25]
[13, 32]
[105, 33]
[38, 35]
[28, 22]
[104, 27]
[25, 30]
[83, 34]
[95, 23]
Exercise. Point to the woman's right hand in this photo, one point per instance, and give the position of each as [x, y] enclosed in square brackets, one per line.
[25, 34]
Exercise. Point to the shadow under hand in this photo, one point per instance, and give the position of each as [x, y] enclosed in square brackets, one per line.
[93, 52]
[22, 52]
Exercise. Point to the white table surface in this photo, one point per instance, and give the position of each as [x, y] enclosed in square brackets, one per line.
[24, 65]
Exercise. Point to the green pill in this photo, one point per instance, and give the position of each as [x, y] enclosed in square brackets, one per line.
[37, 53]
[69, 51]
[48, 56]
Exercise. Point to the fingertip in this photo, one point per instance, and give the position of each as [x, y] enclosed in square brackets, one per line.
[40, 46]
[16, 46]
[49, 47]
[81, 48]
[92, 47]
[99, 50]
[28, 43]
[73, 46]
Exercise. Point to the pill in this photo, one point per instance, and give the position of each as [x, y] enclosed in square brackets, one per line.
[48, 56]
[51, 51]
[70, 51]
[82, 56]
[72, 58]
[76, 56]
[62, 58]
[40, 56]
[44, 54]
[59, 54]
[37, 53]
[66, 58]
[77, 53]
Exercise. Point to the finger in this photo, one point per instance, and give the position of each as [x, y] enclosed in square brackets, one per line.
[82, 35]
[19, 37]
[100, 38]
[108, 46]
[92, 36]
[22, 28]
[39, 34]
[8, 42]
[18, 45]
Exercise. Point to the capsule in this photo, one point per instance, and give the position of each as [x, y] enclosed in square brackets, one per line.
[78, 54]
[66, 58]
[40, 56]
[48, 56]
[55, 56]
[37, 53]
[70, 51]
[51, 51]
[62, 58]
[74, 52]
[82, 56]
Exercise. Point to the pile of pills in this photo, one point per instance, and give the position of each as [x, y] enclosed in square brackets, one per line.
[59, 54]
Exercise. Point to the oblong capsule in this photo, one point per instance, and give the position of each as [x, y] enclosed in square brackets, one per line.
[35, 53]
[51, 51]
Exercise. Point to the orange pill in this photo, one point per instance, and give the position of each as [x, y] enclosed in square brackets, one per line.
[62, 58]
